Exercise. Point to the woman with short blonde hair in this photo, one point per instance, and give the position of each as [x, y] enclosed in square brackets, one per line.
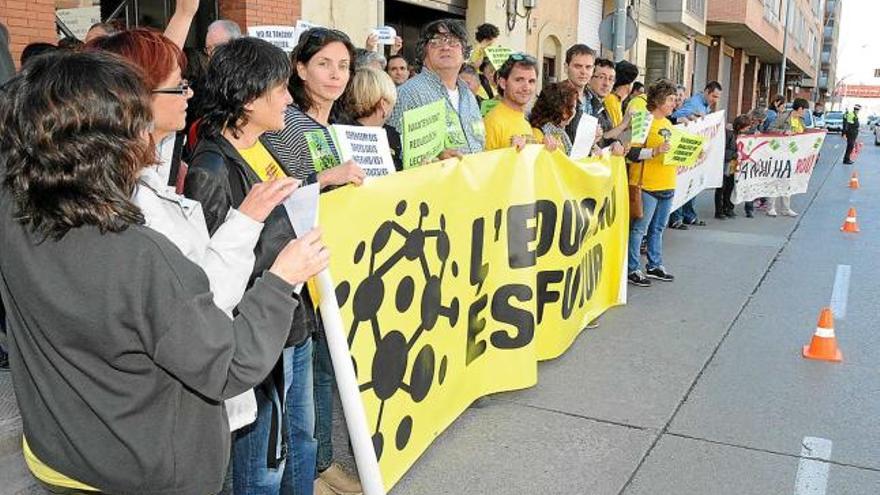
[370, 100]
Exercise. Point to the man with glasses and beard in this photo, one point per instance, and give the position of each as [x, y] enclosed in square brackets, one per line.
[442, 48]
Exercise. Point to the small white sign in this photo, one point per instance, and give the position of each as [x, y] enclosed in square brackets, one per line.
[367, 146]
[284, 37]
[584, 138]
[79, 20]
[387, 35]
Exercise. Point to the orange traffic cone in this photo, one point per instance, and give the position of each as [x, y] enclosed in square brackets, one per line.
[854, 181]
[824, 343]
[850, 225]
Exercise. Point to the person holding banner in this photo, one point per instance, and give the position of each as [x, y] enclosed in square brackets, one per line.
[506, 124]
[656, 182]
[579, 66]
[120, 381]
[323, 65]
[789, 122]
[553, 110]
[442, 48]
[696, 106]
[601, 83]
[723, 204]
[246, 96]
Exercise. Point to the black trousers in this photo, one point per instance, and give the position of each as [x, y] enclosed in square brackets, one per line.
[723, 194]
[850, 144]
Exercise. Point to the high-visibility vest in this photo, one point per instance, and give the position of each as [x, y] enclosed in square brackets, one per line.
[850, 117]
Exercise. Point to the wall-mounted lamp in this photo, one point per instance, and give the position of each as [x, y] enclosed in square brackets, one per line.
[513, 12]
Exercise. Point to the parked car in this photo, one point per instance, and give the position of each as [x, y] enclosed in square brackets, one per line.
[834, 121]
[819, 121]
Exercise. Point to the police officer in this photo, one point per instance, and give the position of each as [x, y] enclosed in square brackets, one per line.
[851, 131]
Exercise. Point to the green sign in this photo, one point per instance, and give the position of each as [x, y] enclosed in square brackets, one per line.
[487, 105]
[685, 149]
[640, 125]
[320, 150]
[424, 133]
[497, 55]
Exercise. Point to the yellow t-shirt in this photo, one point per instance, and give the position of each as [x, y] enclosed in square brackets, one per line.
[658, 177]
[797, 126]
[637, 104]
[614, 107]
[503, 124]
[48, 475]
[261, 161]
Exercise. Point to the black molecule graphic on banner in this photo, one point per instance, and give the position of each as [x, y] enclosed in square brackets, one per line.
[393, 349]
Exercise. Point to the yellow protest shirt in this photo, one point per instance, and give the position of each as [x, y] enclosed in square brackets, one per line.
[657, 177]
[503, 124]
[261, 161]
[614, 107]
[48, 475]
[637, 104]
[797, 126]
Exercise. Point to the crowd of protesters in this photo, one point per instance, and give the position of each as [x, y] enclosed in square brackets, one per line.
[160, 338]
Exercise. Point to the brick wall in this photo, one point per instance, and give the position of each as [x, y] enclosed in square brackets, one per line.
[28, 21]
[261, 12]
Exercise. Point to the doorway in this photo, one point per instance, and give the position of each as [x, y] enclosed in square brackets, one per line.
[407, 19]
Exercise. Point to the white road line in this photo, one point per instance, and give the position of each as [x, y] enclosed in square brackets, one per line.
[840, 293]
[812, 474]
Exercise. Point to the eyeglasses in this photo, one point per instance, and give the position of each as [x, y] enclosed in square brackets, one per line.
[450, 41]
[181, 89]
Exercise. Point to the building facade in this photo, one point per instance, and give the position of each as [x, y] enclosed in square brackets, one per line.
[751, 34]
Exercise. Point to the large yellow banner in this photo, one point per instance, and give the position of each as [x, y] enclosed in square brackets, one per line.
[456, 278]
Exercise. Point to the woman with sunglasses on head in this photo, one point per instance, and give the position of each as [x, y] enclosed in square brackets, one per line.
[553, 110]
[322, 68]
[121, 359]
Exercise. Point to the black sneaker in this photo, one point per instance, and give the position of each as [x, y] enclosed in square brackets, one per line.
[730, 214]
[638, 279]
[660, 273]
[749, 214]
[720, 216]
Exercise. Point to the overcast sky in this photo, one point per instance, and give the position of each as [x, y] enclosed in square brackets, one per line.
[858, 49]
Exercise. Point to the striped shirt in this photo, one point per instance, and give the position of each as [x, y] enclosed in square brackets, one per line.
[304, 146]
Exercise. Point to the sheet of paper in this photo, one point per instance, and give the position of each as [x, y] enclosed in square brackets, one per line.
[386, 34]
[367, 146]
[284, 37]
[302, 210]
[584, 137]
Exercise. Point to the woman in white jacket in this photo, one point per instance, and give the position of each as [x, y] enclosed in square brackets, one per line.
[227, 257]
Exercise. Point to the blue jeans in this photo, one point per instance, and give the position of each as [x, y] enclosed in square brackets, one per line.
[251, 472]
[656, 206]
[299, 471]
[686, 213]
[324, 380]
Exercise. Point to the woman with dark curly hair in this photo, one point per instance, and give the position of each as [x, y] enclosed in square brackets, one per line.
[120, 358]
[553, 110]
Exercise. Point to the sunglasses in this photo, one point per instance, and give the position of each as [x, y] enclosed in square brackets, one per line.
[522, 57]
[181, 89]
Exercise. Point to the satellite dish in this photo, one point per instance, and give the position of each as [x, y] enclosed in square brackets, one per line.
[606, 32]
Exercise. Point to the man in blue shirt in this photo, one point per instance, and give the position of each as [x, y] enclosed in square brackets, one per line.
[696, 106]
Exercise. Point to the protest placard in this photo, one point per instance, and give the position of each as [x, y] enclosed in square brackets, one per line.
[386, 35]
[584, 137]
[367, 146]
[497, 55]
[640, 124]
[708, 171]
[284, 37]
[774, 165]
[684, 149]
[424, 133]
[320, 150]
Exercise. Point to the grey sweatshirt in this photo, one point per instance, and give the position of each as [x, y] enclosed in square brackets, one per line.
[120, 360]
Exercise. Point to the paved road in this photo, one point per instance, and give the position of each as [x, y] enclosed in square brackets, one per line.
[698, 387]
